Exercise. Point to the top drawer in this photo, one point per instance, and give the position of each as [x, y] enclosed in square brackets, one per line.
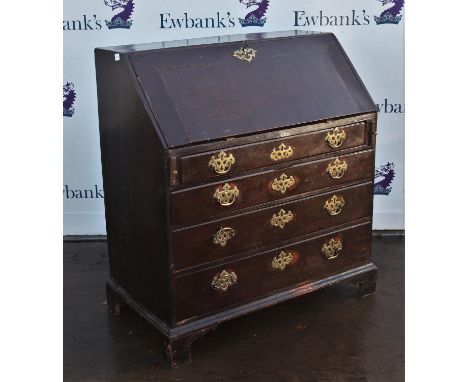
[200, 167]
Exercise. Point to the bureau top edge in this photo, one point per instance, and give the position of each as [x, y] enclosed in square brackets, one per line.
[144, 47]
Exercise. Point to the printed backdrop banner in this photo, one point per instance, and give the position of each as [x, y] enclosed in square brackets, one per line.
[371, 32]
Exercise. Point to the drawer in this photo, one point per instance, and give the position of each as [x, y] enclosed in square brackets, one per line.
[268, 226]
[208, 165]
[241, 281]
[198, 203]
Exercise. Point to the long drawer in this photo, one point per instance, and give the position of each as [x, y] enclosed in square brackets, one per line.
[214, 240]
[194, 204]
[240, 281]
[213, 164]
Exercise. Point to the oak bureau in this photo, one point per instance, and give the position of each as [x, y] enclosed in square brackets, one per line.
[238, 173]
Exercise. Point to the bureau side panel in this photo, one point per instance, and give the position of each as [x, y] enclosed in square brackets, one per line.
[133, 168]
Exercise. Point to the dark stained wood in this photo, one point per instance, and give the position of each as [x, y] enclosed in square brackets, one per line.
[367, 284]
[323, 332]
[194, 168]
[358, 274]
[256, 276]
[291, 131]
[164, 112]
[190, 205]
[239, 98]
[240, 37]
[179, 350]
[194, 245]
[187, 331]
[133, 167]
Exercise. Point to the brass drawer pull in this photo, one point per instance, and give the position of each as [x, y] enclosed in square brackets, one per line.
[226, 195]
[222, 162]
[282, 260]
[281, 218]
[332, 249]
[283, 183]
[334, 205]
[337, 169]
[224, 281]
[335, 138]
[282, 152]
[223, 235]
[245, 54]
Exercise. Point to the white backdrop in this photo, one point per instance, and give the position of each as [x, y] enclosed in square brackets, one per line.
[375, 46]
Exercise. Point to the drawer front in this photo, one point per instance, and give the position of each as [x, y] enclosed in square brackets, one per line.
[198, 203]
[222, 238]
[241, 281]
[222, 163]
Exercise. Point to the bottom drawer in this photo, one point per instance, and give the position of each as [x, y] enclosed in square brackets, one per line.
[241, 281]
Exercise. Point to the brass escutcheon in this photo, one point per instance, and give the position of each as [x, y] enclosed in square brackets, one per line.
[282, 260]
[334, 205]
[282, 152]
[332, 249]
[222, 162]
[335, 138]
[283, 183]
[226, 195]
[245, 54]
[223, 235]
[337, 168]
[224, 281]
[281, 218]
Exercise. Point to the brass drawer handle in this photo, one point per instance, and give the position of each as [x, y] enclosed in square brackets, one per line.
[224, 281]
[282, 260]
[282, 152]
[334, 205]
[222, 162]
[332, 249]
[283, 183]
[226, 195]
[337, 169]
[335, 138]
[245, 54]
[281, 218]
[223, 235]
